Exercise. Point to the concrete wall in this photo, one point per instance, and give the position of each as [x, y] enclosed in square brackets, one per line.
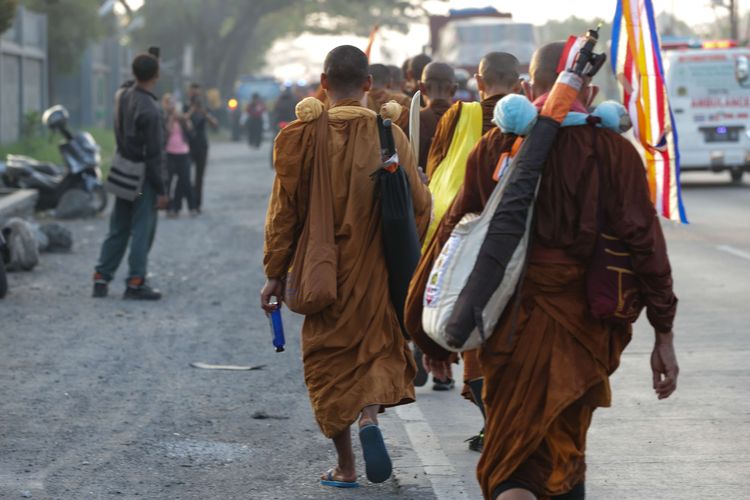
[23, 72]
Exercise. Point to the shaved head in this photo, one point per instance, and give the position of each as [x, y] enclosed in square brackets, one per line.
[417, 64]
[397, 77]
[543, 69]
[381, 75]
[438, 77]
[499, 69]
[346, 69]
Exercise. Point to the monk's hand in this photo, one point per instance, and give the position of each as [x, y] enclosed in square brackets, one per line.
[274, 287]
[664, 365]
[439, 369]
[423, 176]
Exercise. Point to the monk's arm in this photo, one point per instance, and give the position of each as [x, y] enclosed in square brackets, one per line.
[421, 197]
[635, 222]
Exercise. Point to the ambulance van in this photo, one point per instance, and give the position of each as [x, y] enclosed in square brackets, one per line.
[709, 91]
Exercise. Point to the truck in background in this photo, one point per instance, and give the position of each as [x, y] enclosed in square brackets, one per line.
[464, 36]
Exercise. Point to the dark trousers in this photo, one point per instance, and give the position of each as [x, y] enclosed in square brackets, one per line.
[134, 222]
[178, 167]
[255, 131]
[200, 157]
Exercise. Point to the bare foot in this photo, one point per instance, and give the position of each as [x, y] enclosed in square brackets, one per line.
[336, 474]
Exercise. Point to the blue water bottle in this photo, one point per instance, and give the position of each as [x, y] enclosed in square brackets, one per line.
[277, 327]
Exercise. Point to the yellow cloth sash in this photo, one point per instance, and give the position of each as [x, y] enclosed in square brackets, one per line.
[449, 175]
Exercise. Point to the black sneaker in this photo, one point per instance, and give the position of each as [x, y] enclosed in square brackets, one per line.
[101, 287]
[421, 378]
[141, 292]
[443, 385]
[476, 443]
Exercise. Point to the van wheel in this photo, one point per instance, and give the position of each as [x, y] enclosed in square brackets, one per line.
[737, 176]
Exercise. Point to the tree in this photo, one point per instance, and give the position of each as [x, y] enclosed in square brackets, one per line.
[7, 14]
[226, 35]
[72, 26]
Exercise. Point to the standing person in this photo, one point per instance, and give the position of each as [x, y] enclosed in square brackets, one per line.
[255, 110]
[178, 131]
[458, 131]
[398, 79]
[139, 135]
[355, 358]
[546, 367]
[283, 110]
[379, 95]
[200, 118]
[438, 86]
[414, 71]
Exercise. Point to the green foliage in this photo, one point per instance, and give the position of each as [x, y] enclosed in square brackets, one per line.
[230, 36]
[32, 125]
[7, 13]
[72, 25]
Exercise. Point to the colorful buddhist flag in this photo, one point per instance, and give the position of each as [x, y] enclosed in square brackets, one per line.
[636, 60]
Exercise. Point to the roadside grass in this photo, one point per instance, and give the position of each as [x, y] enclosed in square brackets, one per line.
[44, 147]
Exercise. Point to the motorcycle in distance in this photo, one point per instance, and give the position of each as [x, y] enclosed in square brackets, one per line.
[65, 188]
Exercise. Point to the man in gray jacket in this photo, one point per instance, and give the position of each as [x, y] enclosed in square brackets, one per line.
[140, 138]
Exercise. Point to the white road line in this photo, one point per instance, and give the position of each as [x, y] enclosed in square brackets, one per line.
[442, 475]
[734, 251]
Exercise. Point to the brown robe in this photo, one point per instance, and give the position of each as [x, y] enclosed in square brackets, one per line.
[377, 97]
[547, 367]
[353, 352]
[437, 153]
[428, 122]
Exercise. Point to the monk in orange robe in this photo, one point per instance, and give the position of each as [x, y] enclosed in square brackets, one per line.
[356, 361]
[379, 95]
[438, 86]
[498, 76]
[547, 365]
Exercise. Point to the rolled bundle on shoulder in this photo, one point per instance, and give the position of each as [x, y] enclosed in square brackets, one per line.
[613, 116]
[309, 109]
[515, 114]
[391, 110]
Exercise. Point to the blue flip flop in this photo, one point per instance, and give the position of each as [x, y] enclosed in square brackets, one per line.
[377, 462]
[337, 484]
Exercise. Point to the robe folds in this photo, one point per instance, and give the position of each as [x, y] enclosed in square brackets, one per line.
[441, 144]
[547, 365]
[353, 352]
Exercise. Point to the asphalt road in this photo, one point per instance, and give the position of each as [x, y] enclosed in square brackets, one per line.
[99, 399]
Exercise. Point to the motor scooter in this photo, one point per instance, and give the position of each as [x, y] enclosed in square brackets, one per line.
[61, 187]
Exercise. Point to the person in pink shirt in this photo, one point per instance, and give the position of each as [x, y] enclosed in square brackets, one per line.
[178, 130]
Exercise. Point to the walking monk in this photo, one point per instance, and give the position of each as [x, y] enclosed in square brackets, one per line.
[355, 358]
[379, 95]
[438, 85]
[457, 133]
[547, 366]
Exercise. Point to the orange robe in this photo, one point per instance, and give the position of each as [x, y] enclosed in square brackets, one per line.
[547, 366]
[353, 352]
[377, 97]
